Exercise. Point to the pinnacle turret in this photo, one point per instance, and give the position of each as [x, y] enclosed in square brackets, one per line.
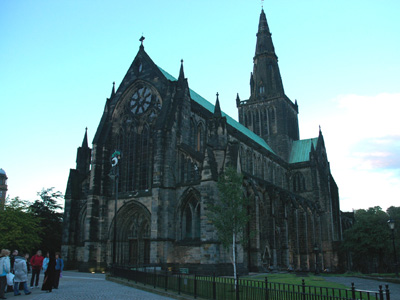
[181, 73]
[217, 109]
[112, 91]
[85, 140]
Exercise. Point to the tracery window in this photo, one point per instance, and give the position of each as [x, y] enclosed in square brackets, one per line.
[200, 138]
[190, 219]
[133, 137]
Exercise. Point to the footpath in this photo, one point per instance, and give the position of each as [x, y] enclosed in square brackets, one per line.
[368, 284]
[76, 285]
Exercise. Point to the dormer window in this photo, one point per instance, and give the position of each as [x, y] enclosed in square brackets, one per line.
[262, 90]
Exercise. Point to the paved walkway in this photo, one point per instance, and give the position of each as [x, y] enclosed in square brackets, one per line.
[368, 284]
[75, 285]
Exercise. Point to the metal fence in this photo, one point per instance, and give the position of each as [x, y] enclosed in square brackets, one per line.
[221, 288]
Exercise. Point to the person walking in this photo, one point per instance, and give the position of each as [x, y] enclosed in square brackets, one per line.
[36, 263]
[58, 269]
[48, 280]
[5, 268]
[21, 275]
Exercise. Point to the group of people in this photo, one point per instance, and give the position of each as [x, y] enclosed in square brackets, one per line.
[20, 266]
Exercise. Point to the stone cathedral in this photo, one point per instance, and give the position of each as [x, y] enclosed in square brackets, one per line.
[174, 145]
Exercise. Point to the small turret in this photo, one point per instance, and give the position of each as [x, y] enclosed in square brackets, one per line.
[217, 109]
[83, 156]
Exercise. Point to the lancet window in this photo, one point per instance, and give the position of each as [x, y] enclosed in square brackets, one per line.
[190, 218]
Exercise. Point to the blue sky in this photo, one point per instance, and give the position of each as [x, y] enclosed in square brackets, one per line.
[339, 59]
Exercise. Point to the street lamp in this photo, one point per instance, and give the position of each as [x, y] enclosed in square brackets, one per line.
[391, 226]
[316, 251]
[115, 157]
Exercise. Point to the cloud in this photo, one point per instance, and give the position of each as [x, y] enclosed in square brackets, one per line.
[362, 136]
[379, 153]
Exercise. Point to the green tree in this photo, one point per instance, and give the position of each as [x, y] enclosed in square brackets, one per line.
[368, 240]
[50, 214]
[394, 214]
[19, 228]
[229, 212]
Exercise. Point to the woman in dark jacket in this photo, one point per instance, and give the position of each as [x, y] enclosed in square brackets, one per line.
[49, 275]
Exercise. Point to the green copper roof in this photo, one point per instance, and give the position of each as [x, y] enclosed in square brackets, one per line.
[301, 150]
[207, 105]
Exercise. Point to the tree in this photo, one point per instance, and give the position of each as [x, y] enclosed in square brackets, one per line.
[51, 216]
[369, 240]
[229, 212]
[19, 228]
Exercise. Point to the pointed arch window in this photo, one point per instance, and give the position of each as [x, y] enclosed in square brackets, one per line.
[144, 160]
[190, 219]
[131, 161]
[199, 138]
[192, 133]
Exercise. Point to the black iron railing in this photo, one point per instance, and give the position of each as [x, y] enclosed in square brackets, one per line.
[221, 288]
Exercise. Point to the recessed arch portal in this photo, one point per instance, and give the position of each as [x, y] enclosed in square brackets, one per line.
[133, 234]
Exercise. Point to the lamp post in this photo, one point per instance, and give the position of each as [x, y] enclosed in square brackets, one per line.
[115, 157]
[316, 251]
[391, 226]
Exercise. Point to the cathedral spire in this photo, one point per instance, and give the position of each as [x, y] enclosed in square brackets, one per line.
[265, 81]
[264, 40]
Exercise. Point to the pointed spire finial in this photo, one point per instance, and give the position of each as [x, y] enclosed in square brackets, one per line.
[181, 73]
[113, 90]
[85, 139]
[237, 100]
[217, 109]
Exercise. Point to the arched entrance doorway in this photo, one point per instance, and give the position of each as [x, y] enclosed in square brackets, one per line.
[133, 234]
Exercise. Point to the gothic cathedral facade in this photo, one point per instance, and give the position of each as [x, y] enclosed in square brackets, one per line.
[174, 145]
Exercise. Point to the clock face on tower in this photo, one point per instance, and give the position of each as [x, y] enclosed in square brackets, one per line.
[142, 100]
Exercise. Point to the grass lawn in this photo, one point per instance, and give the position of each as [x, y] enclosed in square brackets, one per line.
[290, 278]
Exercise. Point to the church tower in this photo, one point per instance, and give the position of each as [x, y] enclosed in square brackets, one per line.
[268, 112]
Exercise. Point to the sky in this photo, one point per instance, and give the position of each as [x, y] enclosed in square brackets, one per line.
[339, 59]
